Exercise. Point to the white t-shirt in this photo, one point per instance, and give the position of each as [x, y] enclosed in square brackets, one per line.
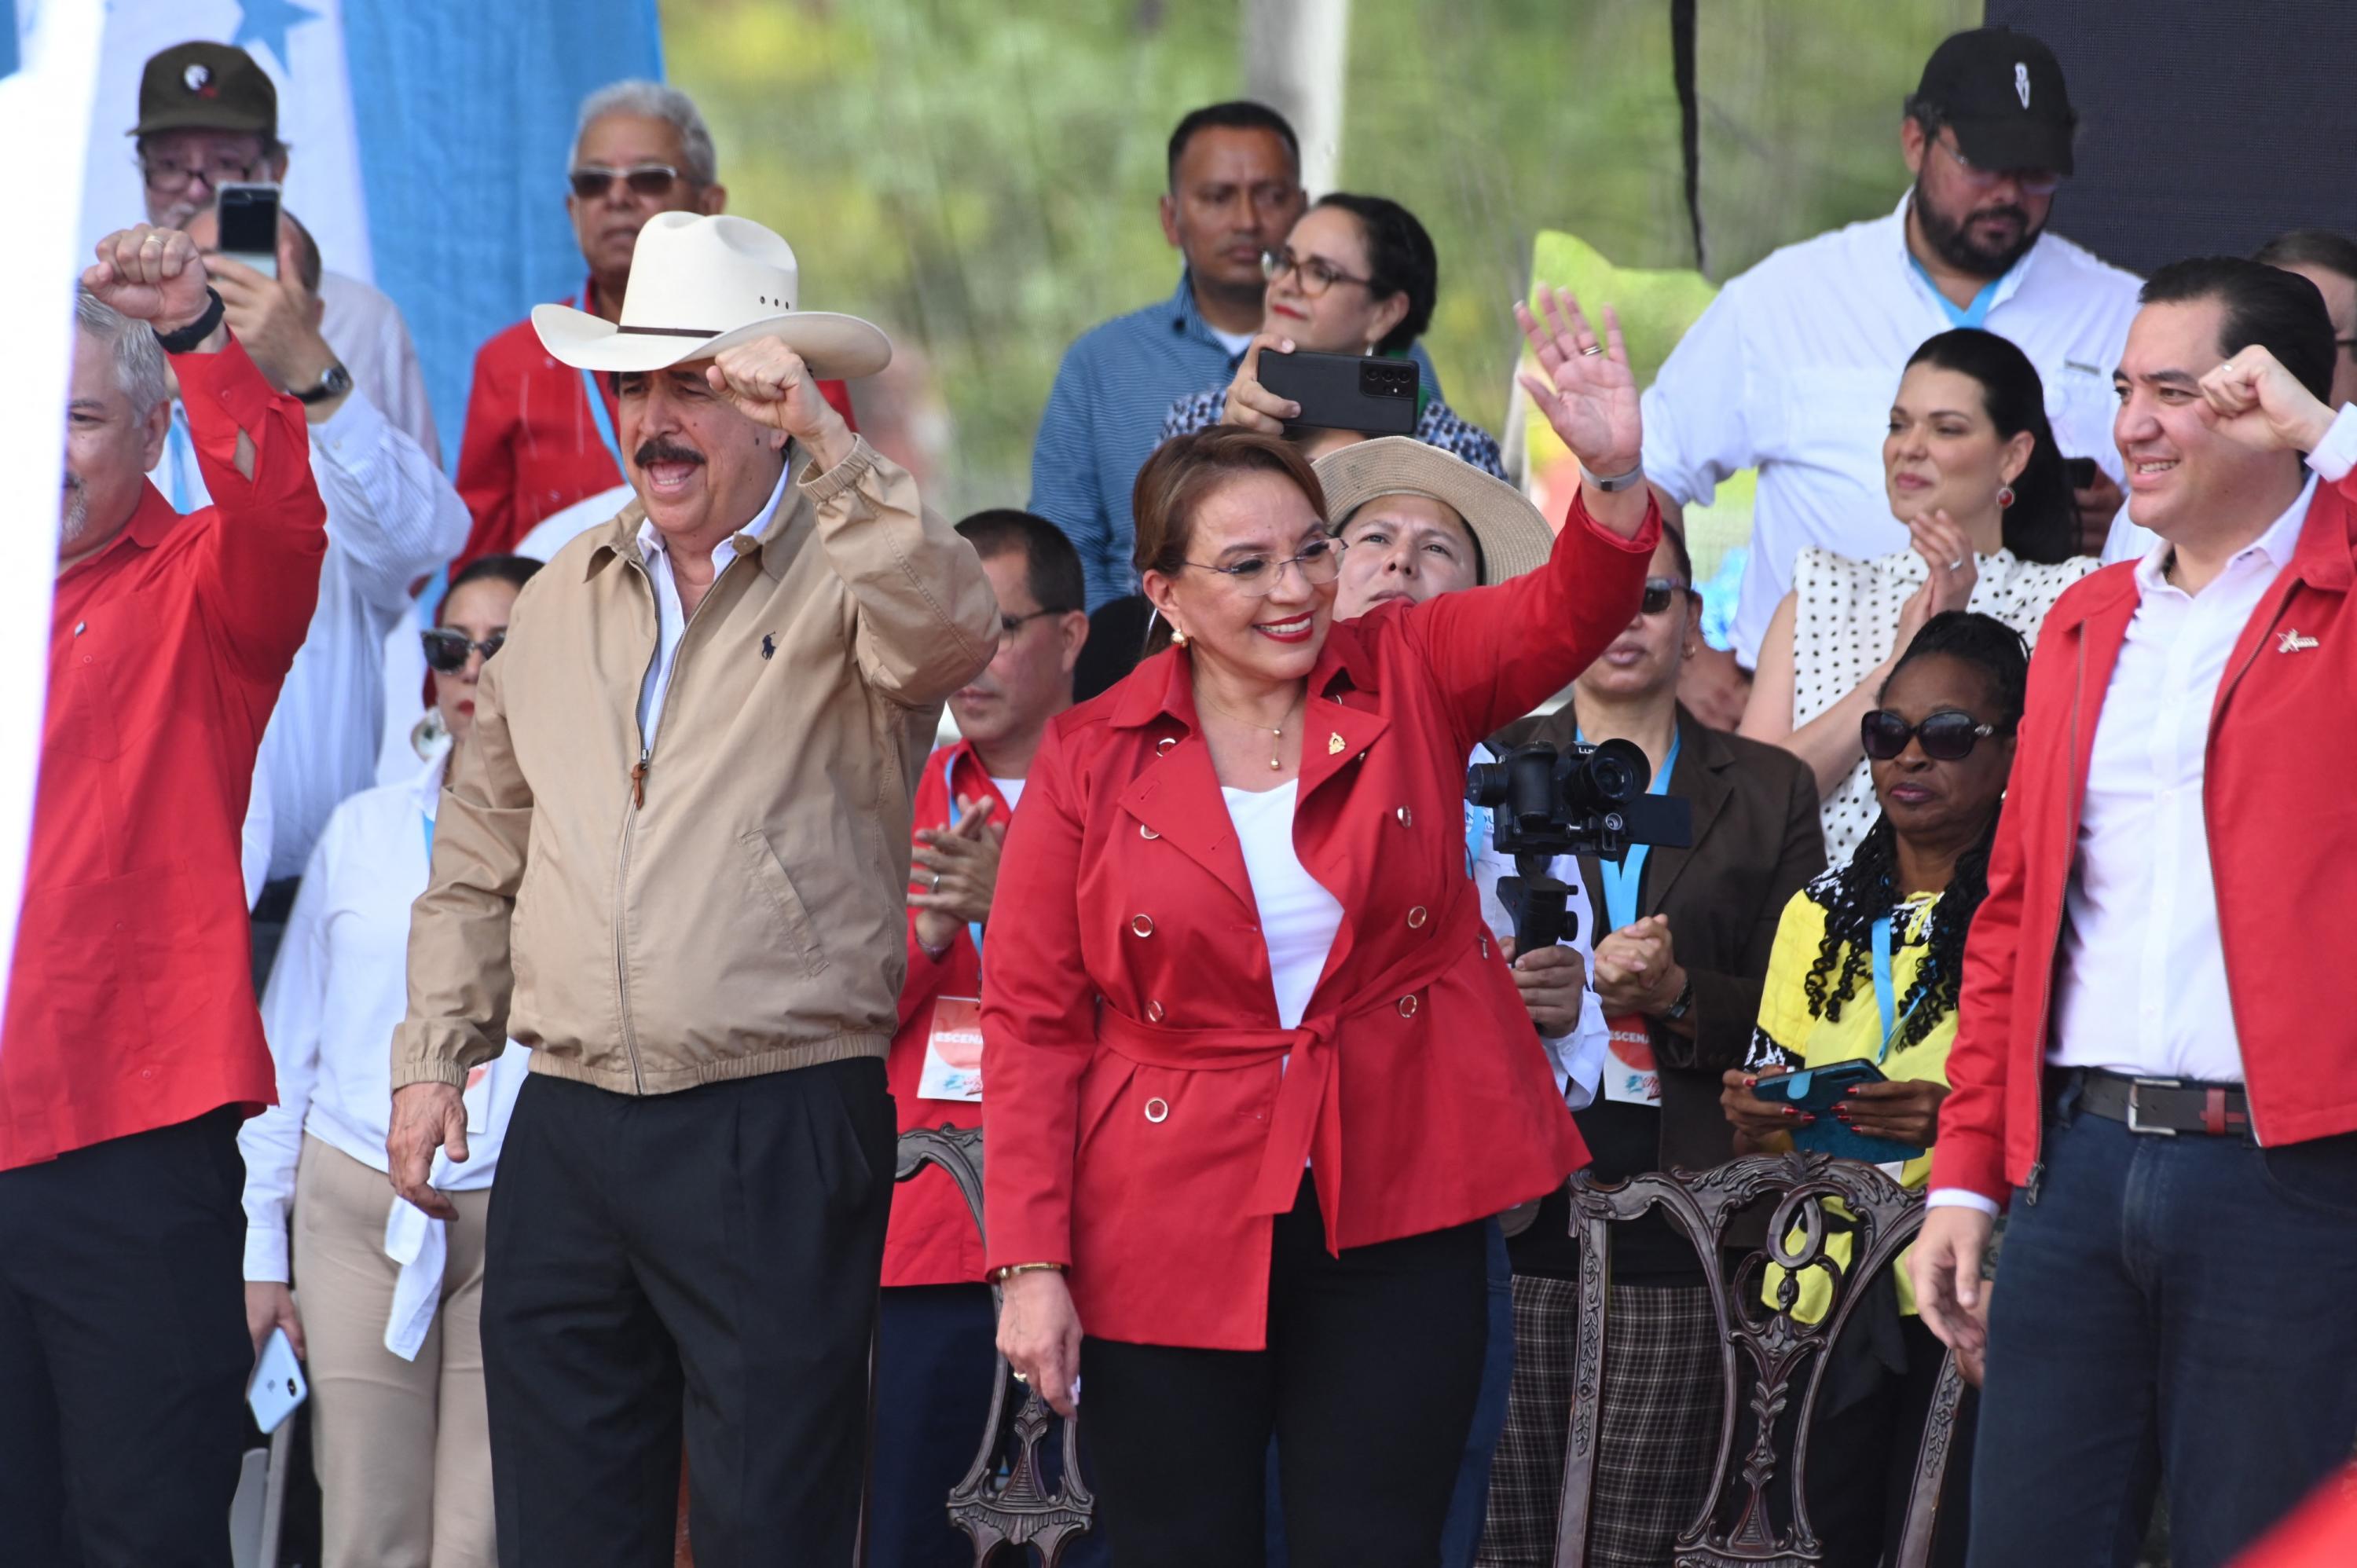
[1234, 343]
[1298, 917]
[1010, 789]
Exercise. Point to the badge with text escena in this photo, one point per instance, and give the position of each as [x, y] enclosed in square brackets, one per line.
[953, 1051]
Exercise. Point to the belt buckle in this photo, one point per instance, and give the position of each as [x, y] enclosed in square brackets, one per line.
[2136, 1105]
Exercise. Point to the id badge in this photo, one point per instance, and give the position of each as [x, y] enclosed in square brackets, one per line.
[476, 1098]
[954, 1052]
[1630, 1074]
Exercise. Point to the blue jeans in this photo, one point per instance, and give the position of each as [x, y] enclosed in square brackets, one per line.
[2178, 1309]
[1470, 1503]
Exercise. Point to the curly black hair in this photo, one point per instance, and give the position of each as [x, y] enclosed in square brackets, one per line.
[1854, 895]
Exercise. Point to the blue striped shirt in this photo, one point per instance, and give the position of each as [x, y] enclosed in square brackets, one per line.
[1104, 418]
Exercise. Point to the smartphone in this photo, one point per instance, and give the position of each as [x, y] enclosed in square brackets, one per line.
[1344, 391]
[1815, 1089]
[276, 1386]
[249, 226]
[2082, 471]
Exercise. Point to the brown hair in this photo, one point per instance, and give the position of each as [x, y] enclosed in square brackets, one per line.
[1185, 470]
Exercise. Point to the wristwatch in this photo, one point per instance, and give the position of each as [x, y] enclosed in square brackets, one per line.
[195, 332]
[1683, 1005]
[334, 381]
[1616, 482]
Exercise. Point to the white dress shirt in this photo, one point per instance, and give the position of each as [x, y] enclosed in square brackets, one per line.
[340, 985]
[369, 336]
[2141, 986]
[1578, 1057]
[1792, 368]
[670, 617]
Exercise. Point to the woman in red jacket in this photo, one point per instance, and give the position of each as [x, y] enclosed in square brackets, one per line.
[1257, 1069]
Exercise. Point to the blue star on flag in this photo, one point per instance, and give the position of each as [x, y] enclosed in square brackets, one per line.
[267, 22]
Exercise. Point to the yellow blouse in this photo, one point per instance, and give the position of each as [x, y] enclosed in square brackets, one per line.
[1787, 1032]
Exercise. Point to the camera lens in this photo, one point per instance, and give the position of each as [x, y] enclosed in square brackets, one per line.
[1485, 784]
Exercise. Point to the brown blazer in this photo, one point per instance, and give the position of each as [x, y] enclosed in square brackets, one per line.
[1756, 842]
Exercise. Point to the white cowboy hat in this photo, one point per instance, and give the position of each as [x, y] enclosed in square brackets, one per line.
[699, 285]
[1513, 535]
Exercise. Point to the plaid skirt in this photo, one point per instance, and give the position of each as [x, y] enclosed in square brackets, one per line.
[1656, 1435]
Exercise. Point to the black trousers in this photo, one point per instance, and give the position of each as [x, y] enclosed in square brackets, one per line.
[1372, 1370]
[124, 1354]
[705, 1263]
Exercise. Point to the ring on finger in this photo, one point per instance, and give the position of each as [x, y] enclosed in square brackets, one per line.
[1592, 348]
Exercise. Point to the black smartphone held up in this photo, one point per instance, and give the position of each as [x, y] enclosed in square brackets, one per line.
[249, 226]
[2082, 471]
[1344, 391]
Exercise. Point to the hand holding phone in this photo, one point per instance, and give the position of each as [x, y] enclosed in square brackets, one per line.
[277, 1388]
[1364, 392]
[248, 215]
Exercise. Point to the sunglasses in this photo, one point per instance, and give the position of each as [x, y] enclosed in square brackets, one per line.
[644, 179]
[447, 650]
[1945, 738]
[1658, 592]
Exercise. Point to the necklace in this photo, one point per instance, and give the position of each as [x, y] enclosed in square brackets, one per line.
[1275, 732]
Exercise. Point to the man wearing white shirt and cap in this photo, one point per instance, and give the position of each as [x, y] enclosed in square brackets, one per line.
[2152, 1065]
[668, 862]
[1791, 367]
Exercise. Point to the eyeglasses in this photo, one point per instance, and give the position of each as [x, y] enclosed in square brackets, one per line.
[591, 182]
[2033, 181]
[1010, 627]
[446, 649]
[1317, 276]
[1945, 738]
[170, 177]
[1659, 591]
[1256, 577]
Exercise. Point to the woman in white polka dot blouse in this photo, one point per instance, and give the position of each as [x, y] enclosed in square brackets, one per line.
[1972, 469]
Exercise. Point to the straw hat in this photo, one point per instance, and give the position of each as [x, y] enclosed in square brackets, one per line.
[699, 285]
[1514, 538]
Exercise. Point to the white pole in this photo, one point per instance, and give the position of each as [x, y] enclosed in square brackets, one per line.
[44, 102]
[1295, 56]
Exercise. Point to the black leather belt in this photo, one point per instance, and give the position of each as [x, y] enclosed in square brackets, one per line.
[2163, 1107]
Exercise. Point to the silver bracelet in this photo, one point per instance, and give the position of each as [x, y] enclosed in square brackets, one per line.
[1618, 481]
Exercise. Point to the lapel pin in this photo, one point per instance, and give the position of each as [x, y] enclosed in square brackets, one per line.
[1334, 743]
[2292, 642]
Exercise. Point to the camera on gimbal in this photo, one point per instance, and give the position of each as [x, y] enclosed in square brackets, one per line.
[1590, 800]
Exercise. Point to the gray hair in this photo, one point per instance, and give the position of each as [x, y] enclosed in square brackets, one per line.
[653, 101]
[138, 358]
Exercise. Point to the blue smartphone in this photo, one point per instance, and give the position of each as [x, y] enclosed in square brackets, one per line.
[1816, 1090]
[277, 1388]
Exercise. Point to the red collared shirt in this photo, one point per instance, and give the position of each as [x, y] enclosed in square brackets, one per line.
[531, 445]
[129, 1002]
[933, 1241]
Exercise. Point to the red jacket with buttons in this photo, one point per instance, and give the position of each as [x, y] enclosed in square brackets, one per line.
[2275, 793]
[129, 1005]
[933, 1241]
[1147, 1115]
[531, 445]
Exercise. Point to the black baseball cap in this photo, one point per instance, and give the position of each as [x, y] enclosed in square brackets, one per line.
[2003, 94]
[201, 86]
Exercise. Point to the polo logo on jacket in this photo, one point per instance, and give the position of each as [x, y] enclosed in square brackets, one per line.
[768, 646]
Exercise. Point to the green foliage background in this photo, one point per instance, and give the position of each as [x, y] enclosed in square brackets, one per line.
[979, 175]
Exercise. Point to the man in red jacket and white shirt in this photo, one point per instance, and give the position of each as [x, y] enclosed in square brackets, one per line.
[934, 1340]
[132, 1047]
[2150, 1064]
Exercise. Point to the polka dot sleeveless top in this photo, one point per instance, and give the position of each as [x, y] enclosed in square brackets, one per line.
[1846, 617]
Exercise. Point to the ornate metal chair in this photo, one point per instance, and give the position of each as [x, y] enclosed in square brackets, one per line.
[1006, 1501]
[1784, 1357]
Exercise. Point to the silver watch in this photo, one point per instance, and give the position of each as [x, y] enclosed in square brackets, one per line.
[1618, 481]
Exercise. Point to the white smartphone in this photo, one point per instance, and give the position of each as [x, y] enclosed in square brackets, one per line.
[276, 1386]
[248, 215]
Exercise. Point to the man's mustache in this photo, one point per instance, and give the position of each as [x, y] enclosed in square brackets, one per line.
[2007, 211]
[655, 449]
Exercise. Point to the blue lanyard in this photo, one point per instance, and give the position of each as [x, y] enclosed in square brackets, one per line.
[1622, 880]
[181, 449]
[1973, 315]
[429, 842]
[948, 792]
[604, 423]
[1885, 994]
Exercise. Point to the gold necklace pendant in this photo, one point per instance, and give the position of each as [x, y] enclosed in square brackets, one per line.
[1276, 751]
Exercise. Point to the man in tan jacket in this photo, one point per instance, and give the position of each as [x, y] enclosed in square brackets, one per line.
[671, 862]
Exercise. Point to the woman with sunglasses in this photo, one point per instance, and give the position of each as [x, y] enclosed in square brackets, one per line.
[1867, 963]
[389, 1297]
[1357, 276]
[1970, 468]
[1681, 946]
[1258, 1072]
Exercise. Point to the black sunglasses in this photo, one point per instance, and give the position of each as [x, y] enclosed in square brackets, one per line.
[1659, 591]
[645, 179]
[1947, 736]
[447, 650]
